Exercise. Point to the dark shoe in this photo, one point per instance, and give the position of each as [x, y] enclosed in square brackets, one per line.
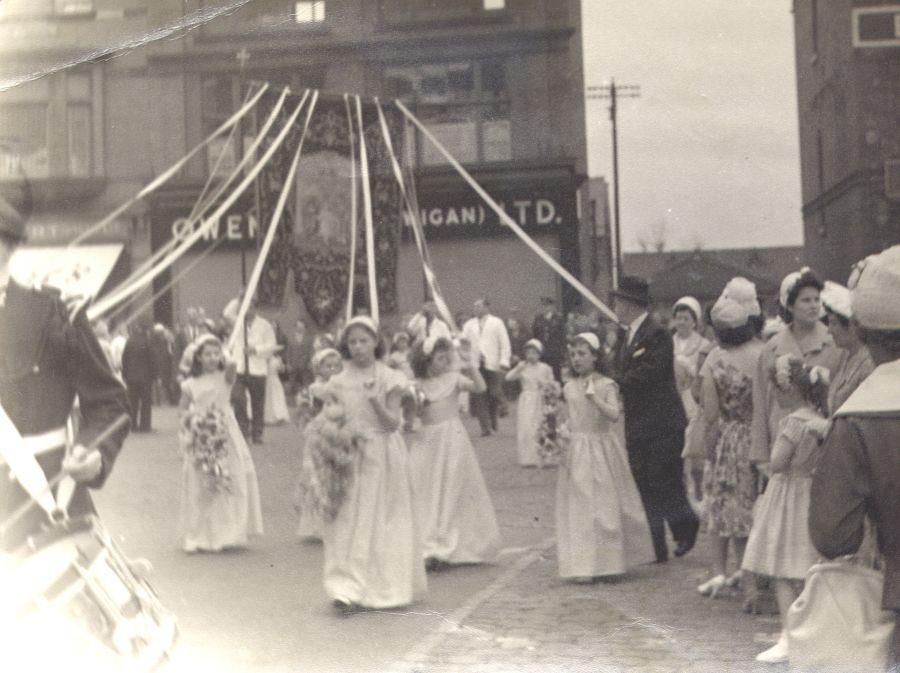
[485, 433]
[683, 548]
[662, 559]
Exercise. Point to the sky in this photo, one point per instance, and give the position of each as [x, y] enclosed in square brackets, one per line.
[709, 153]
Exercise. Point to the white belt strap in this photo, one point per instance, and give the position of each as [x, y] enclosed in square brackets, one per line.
[44, 442]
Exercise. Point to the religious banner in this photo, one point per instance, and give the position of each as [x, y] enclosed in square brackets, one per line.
[313, 241]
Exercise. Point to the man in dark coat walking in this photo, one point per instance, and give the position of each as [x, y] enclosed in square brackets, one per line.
[139, 372]
[549, 328]
[654, 419]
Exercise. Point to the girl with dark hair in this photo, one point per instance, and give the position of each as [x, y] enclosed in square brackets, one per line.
[780, 545]
[856, 363]
[220, 504]
[372, 553]
[727, 407]
[456, 518]
[601, 526]
[805, 337]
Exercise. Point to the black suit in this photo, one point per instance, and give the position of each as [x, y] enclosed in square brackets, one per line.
[551, 332]
[654, 432]
[139, 372]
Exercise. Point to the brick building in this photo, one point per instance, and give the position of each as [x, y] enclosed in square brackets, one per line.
[499, 81]
[848, 84]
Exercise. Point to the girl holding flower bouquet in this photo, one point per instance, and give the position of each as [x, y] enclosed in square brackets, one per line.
[220, 495]
[454, 511]
[532, 373]
[372, 554]
[780, 545]
[601, 526]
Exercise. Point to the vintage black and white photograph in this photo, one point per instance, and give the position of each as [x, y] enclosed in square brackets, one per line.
[450, 336]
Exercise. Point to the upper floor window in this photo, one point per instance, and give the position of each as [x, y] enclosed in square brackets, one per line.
[491, 5]
[309, 12]
[73, 7]
[399, 11]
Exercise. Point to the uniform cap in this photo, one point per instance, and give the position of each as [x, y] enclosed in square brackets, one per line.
[875, 290]
[837, 299]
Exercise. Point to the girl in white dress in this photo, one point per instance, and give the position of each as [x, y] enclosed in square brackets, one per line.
[276, 409]
[601, 526]
[532, 374]
[217, 512]
[373, 558]
[456, 518]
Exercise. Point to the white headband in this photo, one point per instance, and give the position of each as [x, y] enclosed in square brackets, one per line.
[534, 343]
[590, 339]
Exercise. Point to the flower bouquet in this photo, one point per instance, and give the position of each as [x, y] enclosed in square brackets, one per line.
[204, 438]
[332, 445]
[553, 432]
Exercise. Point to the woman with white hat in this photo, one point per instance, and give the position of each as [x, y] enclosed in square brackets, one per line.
[856, 363]
[727, 401]
[532, 374]
[804, 336]
[690, 351]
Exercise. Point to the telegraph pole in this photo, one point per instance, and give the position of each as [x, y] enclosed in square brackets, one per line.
[612, 92]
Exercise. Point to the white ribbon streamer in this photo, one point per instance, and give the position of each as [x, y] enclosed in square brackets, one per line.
[273, 228]
[351, 282]
[102, 306]
[23, 464]
[172, 170]
[430, 278]
[508, 221]
[370, 226]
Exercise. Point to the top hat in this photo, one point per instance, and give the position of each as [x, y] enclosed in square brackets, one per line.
[633, 289]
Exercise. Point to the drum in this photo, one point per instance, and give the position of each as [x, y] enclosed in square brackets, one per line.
[72, 596]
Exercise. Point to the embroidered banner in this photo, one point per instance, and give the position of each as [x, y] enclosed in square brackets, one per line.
[313, 241]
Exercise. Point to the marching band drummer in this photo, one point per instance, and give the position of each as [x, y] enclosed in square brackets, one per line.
[48, 355]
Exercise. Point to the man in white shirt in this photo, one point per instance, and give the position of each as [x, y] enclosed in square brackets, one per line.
[426, 323]
[252, 371]
[490, 346]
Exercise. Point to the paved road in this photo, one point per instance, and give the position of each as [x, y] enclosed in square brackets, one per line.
[263, 609]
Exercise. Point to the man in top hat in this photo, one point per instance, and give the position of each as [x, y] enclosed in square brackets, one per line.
[654, 418]
[549, 327]
[857, 476]
[48, 355]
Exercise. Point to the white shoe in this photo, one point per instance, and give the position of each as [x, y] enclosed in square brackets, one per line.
[712, 586]
[734, 579]
[777, 654]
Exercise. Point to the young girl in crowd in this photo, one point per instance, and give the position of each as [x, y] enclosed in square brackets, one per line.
[779, 545]
[531, 373]
[372, 554]
[220, 495]
[601, 526]
[455, 515]
[399, 357]
[325, 363]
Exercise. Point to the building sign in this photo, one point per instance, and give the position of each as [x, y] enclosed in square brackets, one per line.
[465, 214]
[228, 231]
[62, 233]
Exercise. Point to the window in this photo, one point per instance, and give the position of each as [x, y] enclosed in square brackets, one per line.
[491, 5]
[417, 11]
[23, 130]
[79, 136]
[877, 26]
[309, 12]
[73, 7]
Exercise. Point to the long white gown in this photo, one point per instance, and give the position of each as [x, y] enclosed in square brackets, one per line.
[529, 411]
[276, 409]
[372, 552]
[601, 527]
[212, 521]
[455, 515]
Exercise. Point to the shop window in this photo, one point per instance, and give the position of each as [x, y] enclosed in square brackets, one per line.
[23, 130]
[309, 12]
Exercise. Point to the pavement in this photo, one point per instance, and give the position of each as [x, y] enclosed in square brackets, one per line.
[264, 610]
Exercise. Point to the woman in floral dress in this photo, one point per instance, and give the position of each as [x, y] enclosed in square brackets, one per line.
[729, 479]
[219, 498]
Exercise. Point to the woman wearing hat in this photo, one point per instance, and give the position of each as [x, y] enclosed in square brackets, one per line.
[532, 374]
[856, 363]
[804, 336]
[690, 350]
[727, 404]
[373, 556]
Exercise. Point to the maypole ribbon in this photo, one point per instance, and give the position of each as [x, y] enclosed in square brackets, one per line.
[172, 170]
[351, 281]
[430, 278]
[508, 221]
[108, 302]
[370, 226]
[273, 227]
[149, 266]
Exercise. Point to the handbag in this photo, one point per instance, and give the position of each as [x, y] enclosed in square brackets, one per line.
[837, 624]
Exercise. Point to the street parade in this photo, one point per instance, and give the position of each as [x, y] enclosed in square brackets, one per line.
[322, 347]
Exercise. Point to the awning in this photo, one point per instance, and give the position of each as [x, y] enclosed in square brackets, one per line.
[81, 270]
